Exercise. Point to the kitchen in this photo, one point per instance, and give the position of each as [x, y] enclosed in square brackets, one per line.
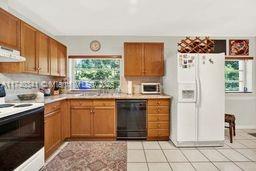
[96, 118]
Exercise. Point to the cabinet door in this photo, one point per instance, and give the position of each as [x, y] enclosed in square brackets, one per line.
[43, 53]
[54, 57]
[62, 58]
[52, 132]
[9, 30]
[65, 119]
[11, 67]
[153, 59]
[81, 122]
[133, 59]
[104, 122]
[28, 47]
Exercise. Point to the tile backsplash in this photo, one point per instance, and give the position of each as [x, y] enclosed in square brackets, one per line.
[29, 83]
[22, 83]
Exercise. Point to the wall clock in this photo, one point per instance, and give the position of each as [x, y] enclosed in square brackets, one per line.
[95, 45]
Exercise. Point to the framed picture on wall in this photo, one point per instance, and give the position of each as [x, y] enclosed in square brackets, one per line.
[239, 47]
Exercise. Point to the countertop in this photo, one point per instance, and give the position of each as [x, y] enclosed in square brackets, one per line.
[51, 99]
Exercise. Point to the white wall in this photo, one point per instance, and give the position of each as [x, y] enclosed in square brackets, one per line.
[242, 105]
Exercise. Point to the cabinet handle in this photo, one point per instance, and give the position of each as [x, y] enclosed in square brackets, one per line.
[158, 103]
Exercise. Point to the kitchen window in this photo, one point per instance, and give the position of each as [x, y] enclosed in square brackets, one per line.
[97, 73]
[238, 76]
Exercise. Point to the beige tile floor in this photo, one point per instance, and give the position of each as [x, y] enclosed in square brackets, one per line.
[164, 156]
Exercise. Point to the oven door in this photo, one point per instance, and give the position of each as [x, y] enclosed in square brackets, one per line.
[21, 136]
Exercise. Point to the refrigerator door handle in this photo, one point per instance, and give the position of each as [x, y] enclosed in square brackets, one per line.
[198, 89]
[196, 92]
[198, 86]
[199, 92]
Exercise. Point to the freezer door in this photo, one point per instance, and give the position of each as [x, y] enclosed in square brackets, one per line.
[186, 68]
[186, 122]
[211, 107]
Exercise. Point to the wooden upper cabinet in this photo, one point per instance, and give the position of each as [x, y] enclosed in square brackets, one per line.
[153, 59]
[28, 47]
[9, 30]
[58, 55]
[133, 59]
[54, 57]
[43, 55]
[62, 59]
[143, 59]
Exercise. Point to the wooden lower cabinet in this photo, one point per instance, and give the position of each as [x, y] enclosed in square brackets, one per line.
[65, 119]
[56, 125]
[96, 119]
[81, 122]
[158, 120]
[52, 128]
[104, 122]
[93, 118]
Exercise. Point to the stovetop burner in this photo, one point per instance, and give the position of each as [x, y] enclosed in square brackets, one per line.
[23, 105]
[6, 105]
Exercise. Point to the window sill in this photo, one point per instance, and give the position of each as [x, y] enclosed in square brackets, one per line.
[237, 92]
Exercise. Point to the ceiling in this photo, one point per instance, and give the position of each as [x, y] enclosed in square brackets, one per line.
[141, 17]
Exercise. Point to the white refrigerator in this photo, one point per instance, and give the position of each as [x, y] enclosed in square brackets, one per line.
[198, 106]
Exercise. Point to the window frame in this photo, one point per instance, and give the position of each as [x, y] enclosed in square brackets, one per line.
[244, 71]
[71, 63]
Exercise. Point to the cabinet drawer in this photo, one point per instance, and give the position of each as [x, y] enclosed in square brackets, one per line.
[104, 103]
[158, 125]
[51, 107]
[158, 109]
[158, 117]
[81, 103]
[158, 132]
[159, 102]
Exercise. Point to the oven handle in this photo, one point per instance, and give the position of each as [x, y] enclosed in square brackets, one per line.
[14, 117]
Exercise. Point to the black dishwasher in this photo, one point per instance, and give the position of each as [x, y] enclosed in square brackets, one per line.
[131, 119]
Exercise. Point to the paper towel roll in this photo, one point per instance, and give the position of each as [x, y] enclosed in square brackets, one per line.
[2, 100]
[129, 87]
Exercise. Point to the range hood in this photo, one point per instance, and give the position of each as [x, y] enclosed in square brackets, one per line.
[10, 55]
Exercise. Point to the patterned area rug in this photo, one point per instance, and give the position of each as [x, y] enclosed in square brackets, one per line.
[90, 156]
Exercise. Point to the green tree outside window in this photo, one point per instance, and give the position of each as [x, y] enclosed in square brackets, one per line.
[98, 73]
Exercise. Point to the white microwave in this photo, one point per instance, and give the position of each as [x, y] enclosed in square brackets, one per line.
[150, 88]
